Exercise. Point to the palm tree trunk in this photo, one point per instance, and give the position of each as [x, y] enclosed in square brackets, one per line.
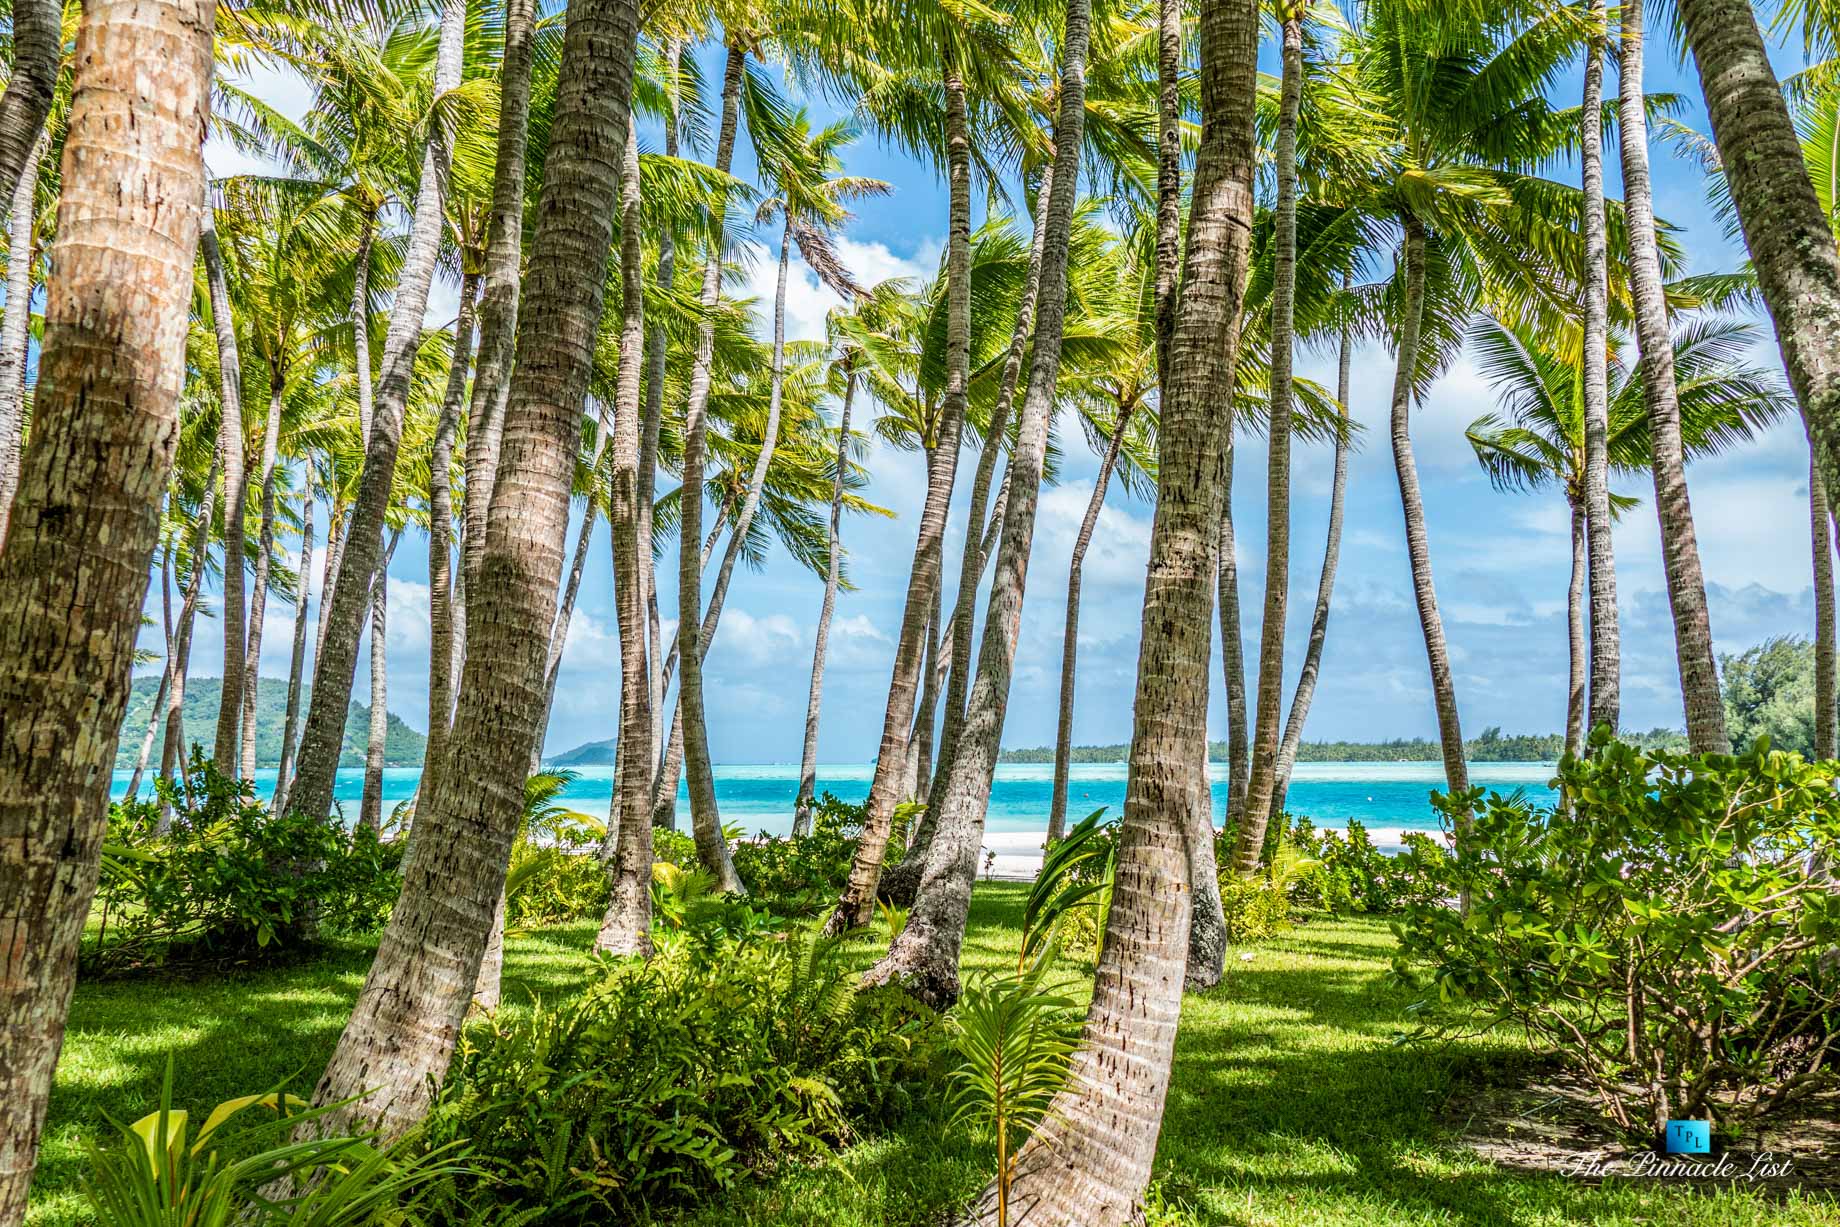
[705, 818]
[172, 746]
[1725, 41]
[1575, 633]
[1232, 655]
[38, 47]
[1606, 652]
[625, 927]
[565, 613]
[297, 659]
[16, 331]
[258, 594]
[1821, 533]
[808, 759]
[335, 547]
[370, 805]
[154, 711]
[1249, 840]
[236, 494]
[857, 905]
[1437, 652]
[923, 763]
[1169, 57]
[441, 538]
[1090, 1160]
[86, 517]
[925, 956]
[402, 1032]
[1070, 634]
[335, 665]
[1305, 693]
[361, 320]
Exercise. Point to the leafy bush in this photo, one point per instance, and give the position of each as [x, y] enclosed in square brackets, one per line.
[801, 875]
[1352, 875]
[665, 1081]
[1255, 908]
[1669, 928]
[229, 878]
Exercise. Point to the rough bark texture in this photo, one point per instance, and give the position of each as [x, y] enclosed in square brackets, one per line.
[86, 517]
[705, 817]
[236, 496]
[172, 746]
[361, 320]
[38, 45]
[258, 592]
[407, 1018]
[1796, 267]
[297, 658]
[1821, 540]
[625, 928]
[1249, 840]
[1606, 651]
[1070, 631]
[857, 905]
[1089, 1162]
[924, 958]
[370, 803]
[15, 331]
[335, 664]
[1418, 547]
[441, 645]
[159, 696]
[1168, 177]
[1232, 654]
[808, 759]
[1577, 650]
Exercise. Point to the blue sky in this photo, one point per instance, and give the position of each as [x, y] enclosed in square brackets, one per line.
[1501, 561]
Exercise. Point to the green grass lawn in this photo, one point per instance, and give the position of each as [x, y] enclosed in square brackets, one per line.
[1289, 1106]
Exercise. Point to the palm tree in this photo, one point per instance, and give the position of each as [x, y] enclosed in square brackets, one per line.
[1541, 439]
[38, 48]
[1605, 678]
[1089, 1161]
[401, 1035]
[15, 331]
[1821, 532]
[230, 371]
[87, 512]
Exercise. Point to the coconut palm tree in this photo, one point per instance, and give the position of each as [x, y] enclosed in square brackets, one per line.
[1605, 677]
[87, 513]
[15, 331]
[38, 48]
[401, 1035]
[1539, 440]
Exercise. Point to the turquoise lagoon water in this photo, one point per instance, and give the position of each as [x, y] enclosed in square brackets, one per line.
[1380, 795]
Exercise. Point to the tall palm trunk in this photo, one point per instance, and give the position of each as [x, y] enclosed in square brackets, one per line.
[1821, 534]
[166, 671]
[624, 928]
[1575, 632]
[565, 612]
[1305, 694]
[1089, 1162]
[87, 513]
[1232, 654]
[1168, 177]
[1606, 652]
[370, 804]
[258, 592]
[16, 331]
[971, 562]
[297, 659]
[1261, 785]
[1070, 632]
[401, 1034]
[926, 954]
[172, 747]
[1776, 215]
[441, 532]
[808, 759]
[236, 495]
[857, 904]
[38, 46]
[361, 320]
[705, 818]
[1418, 549]
[335, 665]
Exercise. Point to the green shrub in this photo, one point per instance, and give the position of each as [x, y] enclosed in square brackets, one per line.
[674, 848]
[801, 875]
[1352, 875]
[1256, 908]
[1669, 928]
[666, 1081]
[229, 879]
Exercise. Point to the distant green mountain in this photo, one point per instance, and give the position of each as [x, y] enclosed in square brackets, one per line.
[1493, 746]
[403, 747]
[587, 754]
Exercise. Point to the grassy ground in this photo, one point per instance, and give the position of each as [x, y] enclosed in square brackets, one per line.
[1289, 1106]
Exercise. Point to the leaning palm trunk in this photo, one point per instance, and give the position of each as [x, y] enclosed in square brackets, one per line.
[705, 818]
[297, 658]
[258, 592]
[1575, 633]
[1437, 652]
[1070, 632]
[1089, 1162]
[1821, 534]
[924, 958]
[370, 804]
[1776, 227]
[402, 1032]
[441, 532]
[808, 759]
[38, 47]
[857, 904]
[571, 590]
[1606, 685]
[625, 927]
[1305, 693]
[166, 672]
[349, 597]
[1261, 784]
[86, 518]
[236, 494]
[172, 748]
[15, 332]
[1232, 654]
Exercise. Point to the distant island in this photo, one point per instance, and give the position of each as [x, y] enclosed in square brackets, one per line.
[1490, 746]
[402, 748]
[587, 754]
